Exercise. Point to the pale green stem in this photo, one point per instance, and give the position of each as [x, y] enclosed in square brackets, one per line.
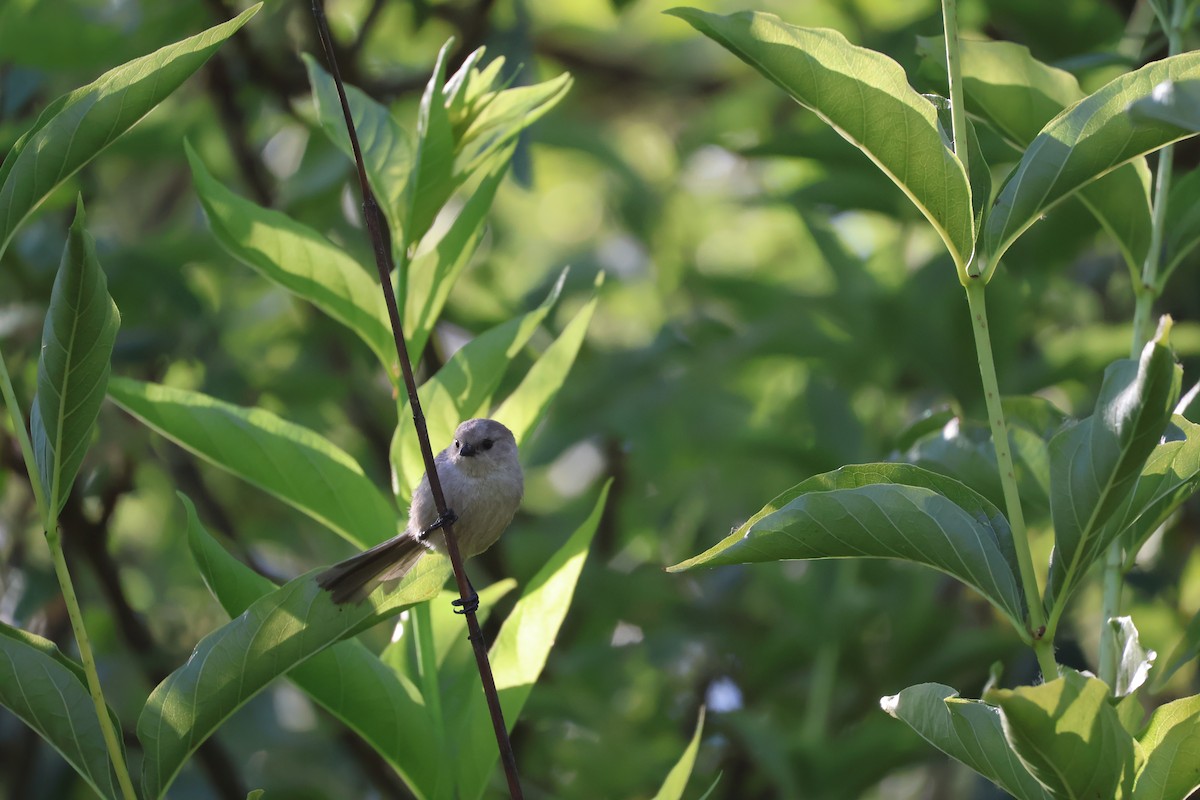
[54, 540]
[1145, 293]
[958, 117]
[1037, 635]
[49, 519]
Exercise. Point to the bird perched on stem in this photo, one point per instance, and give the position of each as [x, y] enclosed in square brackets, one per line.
[482, 482]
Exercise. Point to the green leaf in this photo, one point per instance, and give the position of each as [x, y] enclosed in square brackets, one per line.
[1083, 143]
[347, 679]
[274, 635]
[77, 126]
[1171, 476]
[1187, 648]
[1134, 661]
[1017, 94]
[434, 269]
[1181, 229]
[300, 260]
[1068, 736]
[48, 692]
[77, 344]
[966, 730]
[462, 125]
[895, 511]
[865, 97]
[295, 464]
[525, 407]
[1171, 743]
[520, 651]
[462, 389]
[677, 779]
[1095, 463]
[387, 151]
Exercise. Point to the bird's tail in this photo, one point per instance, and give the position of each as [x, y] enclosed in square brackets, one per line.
[350, 581]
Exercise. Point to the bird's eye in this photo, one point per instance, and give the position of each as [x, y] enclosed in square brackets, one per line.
[486, 444]
[456, 444]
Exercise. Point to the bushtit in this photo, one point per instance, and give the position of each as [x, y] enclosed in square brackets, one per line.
[482, 483]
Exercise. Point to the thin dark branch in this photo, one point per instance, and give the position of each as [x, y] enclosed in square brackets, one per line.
[222, 90]
[383, 262]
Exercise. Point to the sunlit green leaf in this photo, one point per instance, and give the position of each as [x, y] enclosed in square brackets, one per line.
[386, 148]
[347, 679]
[77, 343]
[275, 634]
[77, 126]
[1181, 228]
[433, 271]
[677, 779]
[893, 511]
[300, 260]
[523, 409]
[866, 97]
[1171, 743]
[1083, 143]
[1171, 476]
[293, 463]
[47, 691]
[1095, 464]
[520, 651]
[1068, 736]
[966, 730]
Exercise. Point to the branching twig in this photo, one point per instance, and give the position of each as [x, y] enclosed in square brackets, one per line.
[383, 262]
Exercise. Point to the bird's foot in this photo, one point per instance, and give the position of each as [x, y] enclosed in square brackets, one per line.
[449, 518]
[466, 606]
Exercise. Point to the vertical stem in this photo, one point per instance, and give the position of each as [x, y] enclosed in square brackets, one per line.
[1043, 645]
[111, 741]
[49, 519]
[1145, 293]
[958, 117]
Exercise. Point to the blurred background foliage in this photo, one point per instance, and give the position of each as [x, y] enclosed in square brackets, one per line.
[774, 308]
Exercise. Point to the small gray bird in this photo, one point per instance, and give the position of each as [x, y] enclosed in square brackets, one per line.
[483, 485]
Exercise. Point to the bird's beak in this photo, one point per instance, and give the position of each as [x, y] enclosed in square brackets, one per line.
[467, 450]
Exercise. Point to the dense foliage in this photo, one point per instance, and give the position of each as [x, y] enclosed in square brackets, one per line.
[688, 294]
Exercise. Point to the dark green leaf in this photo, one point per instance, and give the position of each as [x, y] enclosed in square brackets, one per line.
[967, 730]
[1017, 94]
[865, 97]
[293, 463]
[1095, 464]
[1083, 143]
[48, 692]
[77, 126]
[893, 511]
[77, 343]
